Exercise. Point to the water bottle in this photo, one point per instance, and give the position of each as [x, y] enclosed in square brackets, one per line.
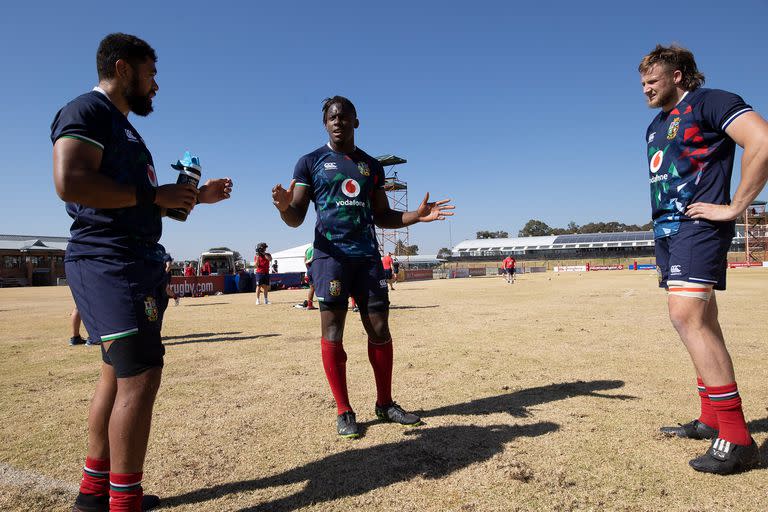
[189, 172]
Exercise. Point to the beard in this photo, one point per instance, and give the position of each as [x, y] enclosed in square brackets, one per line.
[140, 104]
[662, 98]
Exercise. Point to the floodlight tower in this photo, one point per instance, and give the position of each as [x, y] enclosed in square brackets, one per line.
[397, 195]
[756, 232]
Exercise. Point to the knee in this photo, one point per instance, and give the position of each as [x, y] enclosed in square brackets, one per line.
[333, 334]
[138, 390]
[683, 320]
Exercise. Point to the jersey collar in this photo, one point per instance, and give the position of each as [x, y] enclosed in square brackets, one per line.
[329, 147]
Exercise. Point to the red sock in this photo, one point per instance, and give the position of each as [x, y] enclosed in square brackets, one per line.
[380, 356]
[95, 477]
[730, 418]
[125, 492]
[708, 415]
[335, 366]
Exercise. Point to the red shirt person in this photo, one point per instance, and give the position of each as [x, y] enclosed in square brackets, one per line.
[509, 268]
[261, 261]
[386, 261]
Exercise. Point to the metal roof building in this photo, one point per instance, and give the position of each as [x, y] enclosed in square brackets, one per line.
[629, 243]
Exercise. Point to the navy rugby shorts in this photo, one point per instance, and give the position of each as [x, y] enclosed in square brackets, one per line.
[697, 253]
[362, 278]
[122, 303]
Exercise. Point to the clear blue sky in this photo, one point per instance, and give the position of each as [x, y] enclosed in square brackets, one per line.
[514, 112]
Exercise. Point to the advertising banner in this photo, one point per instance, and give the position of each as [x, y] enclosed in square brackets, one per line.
[570, 268]
[285, 280]
[743, 264]
[459, 272]
[606, 267]
[197, 285]
[417, 274]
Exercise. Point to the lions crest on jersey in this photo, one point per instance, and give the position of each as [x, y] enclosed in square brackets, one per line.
[673, 127]
[150, 308]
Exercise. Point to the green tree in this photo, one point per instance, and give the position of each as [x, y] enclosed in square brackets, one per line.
[405, 250]
[444, 253]
[492, 234]
[535, 227]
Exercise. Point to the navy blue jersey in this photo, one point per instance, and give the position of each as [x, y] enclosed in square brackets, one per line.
[690, 157]
[123, 232]
[342, 188]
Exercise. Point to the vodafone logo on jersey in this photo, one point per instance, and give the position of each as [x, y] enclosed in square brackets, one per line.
[350, 187]
[656, 161]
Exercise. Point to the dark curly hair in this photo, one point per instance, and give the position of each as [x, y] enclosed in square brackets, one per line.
[341, 100]
[121, 46]
[674, 58]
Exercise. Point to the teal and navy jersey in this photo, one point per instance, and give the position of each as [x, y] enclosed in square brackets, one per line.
[690, 157]
[122, 232]
[342, 188]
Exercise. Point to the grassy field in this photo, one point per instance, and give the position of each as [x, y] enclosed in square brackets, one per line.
[543, 395]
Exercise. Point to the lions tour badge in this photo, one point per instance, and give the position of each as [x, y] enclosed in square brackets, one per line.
[672, 132]
[334, 287]
[363, 168]
[150, 308]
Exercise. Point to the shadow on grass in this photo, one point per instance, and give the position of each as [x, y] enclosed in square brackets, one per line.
[206, 304]
[219, 340]
[758, 425]
[764, 453]
[517, 403]
[426, 452]
[199, 335]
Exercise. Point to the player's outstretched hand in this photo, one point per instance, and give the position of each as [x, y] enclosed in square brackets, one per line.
[176, 196]
[282, 198]
[713, 212]
[215, 190]
[427, 212]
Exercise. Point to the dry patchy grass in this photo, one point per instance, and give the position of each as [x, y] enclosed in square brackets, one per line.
[544, 395]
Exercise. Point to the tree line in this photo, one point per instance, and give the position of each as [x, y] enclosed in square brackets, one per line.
[535, 227]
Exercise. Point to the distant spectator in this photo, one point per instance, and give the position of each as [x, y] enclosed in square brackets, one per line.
[205, 270]
[386, 261]
[261, 261]
[395, 268]
[509, 269]
[274, 267]
[168, 274]
[189, 271]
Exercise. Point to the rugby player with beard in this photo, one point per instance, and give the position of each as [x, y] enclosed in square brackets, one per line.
[691, 150]
[114, 262]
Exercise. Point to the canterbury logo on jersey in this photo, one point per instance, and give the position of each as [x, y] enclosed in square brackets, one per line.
[131, 137]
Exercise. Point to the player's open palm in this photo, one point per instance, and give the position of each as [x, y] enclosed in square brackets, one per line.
[215, 190]
[427, 212]
[281, 197]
